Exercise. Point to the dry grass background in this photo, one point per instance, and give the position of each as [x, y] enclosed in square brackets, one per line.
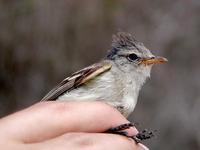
[41, 42]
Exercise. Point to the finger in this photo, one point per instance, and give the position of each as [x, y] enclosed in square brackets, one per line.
[94, 141]
[50, 119]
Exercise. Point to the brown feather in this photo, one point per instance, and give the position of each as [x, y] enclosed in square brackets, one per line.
[77, 79]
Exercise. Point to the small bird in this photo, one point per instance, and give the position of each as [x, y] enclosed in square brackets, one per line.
[115, 80]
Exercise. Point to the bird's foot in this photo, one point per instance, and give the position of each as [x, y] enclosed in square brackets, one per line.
[141, 136]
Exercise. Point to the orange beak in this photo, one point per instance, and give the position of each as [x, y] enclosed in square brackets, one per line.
[153, 60]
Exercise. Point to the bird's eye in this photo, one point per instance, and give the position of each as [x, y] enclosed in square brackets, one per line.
[132, 57]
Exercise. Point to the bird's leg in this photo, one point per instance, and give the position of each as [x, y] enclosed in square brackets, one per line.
[143, 135]
[120, 128]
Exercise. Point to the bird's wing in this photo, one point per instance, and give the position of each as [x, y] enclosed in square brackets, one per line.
[77, 79]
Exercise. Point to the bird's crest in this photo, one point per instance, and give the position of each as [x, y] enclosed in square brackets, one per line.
[123, 40]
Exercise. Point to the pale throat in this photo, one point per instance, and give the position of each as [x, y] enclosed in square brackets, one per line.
[133, 83]
[131, 92]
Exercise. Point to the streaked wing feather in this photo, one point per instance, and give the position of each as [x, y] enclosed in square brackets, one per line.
[77, 79]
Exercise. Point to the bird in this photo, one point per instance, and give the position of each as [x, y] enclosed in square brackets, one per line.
[115, 80]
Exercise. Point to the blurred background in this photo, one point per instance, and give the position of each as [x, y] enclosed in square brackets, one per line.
[41, 42]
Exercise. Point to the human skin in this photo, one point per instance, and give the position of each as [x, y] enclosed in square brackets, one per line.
[65, 126]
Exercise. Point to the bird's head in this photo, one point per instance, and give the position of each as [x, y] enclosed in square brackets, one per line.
[132, 56]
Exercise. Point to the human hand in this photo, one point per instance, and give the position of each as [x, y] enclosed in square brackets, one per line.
[61, 126]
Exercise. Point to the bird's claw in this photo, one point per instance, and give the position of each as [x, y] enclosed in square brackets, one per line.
[141, 136]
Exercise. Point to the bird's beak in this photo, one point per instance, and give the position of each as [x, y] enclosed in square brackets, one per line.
[153, 60]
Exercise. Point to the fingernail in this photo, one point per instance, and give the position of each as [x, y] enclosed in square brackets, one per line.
[143, 147]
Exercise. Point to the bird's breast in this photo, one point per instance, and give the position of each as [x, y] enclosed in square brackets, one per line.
[130, 95]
